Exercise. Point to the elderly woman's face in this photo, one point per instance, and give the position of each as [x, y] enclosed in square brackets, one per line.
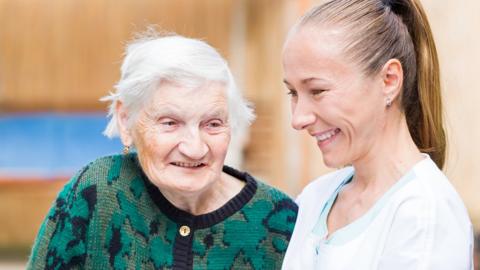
[182, 136]
[331, 98]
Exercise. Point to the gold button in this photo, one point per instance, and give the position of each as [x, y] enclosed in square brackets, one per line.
[184, 230]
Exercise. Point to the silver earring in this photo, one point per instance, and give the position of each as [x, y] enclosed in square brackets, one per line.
[389, 102]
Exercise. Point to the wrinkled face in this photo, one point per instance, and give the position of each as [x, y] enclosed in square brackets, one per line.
[331, 98]
[182, 136]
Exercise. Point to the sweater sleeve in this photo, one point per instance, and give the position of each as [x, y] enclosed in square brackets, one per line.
[61, 241]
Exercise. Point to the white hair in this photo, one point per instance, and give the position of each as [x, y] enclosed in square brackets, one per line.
[151, 59]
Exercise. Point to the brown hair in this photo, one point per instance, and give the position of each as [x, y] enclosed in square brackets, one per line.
[379, 30]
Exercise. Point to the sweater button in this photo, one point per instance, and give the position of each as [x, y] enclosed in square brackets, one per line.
[184, 230]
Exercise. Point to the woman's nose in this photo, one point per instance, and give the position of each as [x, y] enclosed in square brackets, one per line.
[193, 146]
[302, 116]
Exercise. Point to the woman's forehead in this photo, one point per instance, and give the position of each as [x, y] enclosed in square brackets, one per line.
[177, 100]
[173, 90]
[314, 54]
[212, 110]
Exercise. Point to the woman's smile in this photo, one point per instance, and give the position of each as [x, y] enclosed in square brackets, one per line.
[326, 137]
[188, 165]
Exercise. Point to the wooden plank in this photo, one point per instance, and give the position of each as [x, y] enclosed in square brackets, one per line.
[23, 206]
[65, 55]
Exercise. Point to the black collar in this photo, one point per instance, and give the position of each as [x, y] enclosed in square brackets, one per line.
[205, 220]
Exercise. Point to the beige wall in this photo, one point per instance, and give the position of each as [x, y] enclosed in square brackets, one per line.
[65, 54]
[456, 26]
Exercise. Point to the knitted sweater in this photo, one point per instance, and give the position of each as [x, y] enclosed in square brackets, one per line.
[109, 216]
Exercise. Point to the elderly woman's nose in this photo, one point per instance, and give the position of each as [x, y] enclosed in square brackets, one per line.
[193, 146]
[302, 116]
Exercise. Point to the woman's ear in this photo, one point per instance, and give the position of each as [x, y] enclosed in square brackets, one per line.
[392, 77]
[122, 123]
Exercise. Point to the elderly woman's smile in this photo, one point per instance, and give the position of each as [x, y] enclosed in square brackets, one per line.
[195, 165]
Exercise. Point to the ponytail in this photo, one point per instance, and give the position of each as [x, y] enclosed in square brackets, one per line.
[423, 107]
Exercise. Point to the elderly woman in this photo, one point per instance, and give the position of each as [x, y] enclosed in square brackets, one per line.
[172, 203]
[364, 82]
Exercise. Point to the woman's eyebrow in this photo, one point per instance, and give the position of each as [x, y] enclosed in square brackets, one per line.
[286, 82]
[216, 113]
[307, 80]
[167, 110]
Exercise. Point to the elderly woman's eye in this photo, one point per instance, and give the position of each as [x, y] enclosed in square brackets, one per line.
[168, 123]
[214, 124]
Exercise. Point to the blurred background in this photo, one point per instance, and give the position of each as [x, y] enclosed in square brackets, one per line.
[58, 57]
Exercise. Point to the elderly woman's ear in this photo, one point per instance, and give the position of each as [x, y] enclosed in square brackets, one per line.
[122, 122]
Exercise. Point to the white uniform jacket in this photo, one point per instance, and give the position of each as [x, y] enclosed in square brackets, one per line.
[423, 225]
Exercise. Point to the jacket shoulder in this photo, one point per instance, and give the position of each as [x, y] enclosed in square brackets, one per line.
[275, 195]
[109, 170]
[324, 184]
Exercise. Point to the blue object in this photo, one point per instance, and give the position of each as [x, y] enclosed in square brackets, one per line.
[49, 145]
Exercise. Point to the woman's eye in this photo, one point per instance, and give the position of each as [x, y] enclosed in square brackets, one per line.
[292, 93]
[214, 124]
[168, 123]
[317, 91]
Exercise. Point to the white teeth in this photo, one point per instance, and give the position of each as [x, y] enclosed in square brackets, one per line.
[327, 135]
[187, 165]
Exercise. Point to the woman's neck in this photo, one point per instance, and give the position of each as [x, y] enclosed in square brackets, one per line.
[393, 155]
[208, 200]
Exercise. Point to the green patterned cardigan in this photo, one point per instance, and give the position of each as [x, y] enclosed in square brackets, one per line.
[109, 216]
